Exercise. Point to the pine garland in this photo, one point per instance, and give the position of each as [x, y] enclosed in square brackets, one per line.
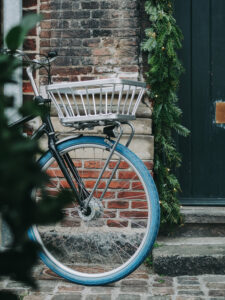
[163, 40]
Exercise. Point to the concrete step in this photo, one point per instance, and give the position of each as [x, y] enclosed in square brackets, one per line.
[189, 256]
[203, 214]
[202, 222]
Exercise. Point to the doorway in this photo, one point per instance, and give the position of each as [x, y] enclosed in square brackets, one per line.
[203, 55]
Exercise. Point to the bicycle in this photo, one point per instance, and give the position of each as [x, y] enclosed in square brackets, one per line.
[114, 219]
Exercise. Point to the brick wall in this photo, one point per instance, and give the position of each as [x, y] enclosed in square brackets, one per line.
[124, 199]
[95, 38]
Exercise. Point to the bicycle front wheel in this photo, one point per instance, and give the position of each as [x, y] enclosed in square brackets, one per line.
[117, 234]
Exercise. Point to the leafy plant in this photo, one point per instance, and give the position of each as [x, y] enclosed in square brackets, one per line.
[20, 175]
[163, 40]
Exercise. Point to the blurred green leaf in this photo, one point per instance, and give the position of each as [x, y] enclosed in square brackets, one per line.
[21, 174]
[16, 35]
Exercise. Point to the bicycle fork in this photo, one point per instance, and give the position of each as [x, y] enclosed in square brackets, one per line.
[65, 162]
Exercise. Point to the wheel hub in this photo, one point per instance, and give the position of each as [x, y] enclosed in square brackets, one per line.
[92, 211]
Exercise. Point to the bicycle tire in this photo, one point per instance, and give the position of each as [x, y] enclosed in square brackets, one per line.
[151, 200]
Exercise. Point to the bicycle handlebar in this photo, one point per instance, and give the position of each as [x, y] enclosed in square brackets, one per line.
[34, 64]
[50, 57]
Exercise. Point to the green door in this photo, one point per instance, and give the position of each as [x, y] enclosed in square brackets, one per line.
[203, 55]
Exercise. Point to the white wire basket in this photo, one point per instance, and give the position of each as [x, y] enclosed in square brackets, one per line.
[96, 100]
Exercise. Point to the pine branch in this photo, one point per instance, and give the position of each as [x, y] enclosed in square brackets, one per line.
[163, 39]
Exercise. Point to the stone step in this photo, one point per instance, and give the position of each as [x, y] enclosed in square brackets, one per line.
[203, 215]
[189, 256]
[202, 222]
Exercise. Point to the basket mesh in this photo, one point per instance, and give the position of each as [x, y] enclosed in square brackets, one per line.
[95, 100]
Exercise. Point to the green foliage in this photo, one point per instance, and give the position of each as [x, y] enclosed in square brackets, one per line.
[20, 175]
[148, 261]
[163, 40]
[20, 31]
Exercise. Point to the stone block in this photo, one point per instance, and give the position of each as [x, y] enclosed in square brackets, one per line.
[72, 296]
[174, 260]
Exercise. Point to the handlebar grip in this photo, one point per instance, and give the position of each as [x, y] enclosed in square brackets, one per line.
[52, 54]
[40, 100]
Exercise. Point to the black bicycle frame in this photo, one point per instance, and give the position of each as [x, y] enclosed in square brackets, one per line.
[65, 162]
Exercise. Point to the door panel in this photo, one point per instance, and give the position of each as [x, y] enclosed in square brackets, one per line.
[203, 55]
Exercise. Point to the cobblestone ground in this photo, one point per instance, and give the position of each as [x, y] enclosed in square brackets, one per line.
[142, 284]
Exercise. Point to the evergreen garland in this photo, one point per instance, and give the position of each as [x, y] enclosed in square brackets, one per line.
[163, 40]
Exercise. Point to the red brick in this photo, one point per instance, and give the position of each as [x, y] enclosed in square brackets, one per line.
[89, 174]
[45, 34]
[84, 78]
[108, 42]
[46, 15]
[32, 32]
[134, 214]
[54, 173]
[122, 165]
[73, 78]
[117, 223]
[119, 184]
[118, 204]
[45, 6]
[29, 44]
[131, 195]
[128, 42]
[107, 174]
[46, 25]
[27, 88]
[137, 185]
[139, 204]
[91, 42]
[101, 52]
[54, 165]
[77, 163]
[82, 70]
[127, 175]
[105, 60]
[64, 184]
[108, 195]
[109, 214]
[45, 43]
[93, 164]
[129, 69]
[60, 79]
[91, 183]
[149, 165]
